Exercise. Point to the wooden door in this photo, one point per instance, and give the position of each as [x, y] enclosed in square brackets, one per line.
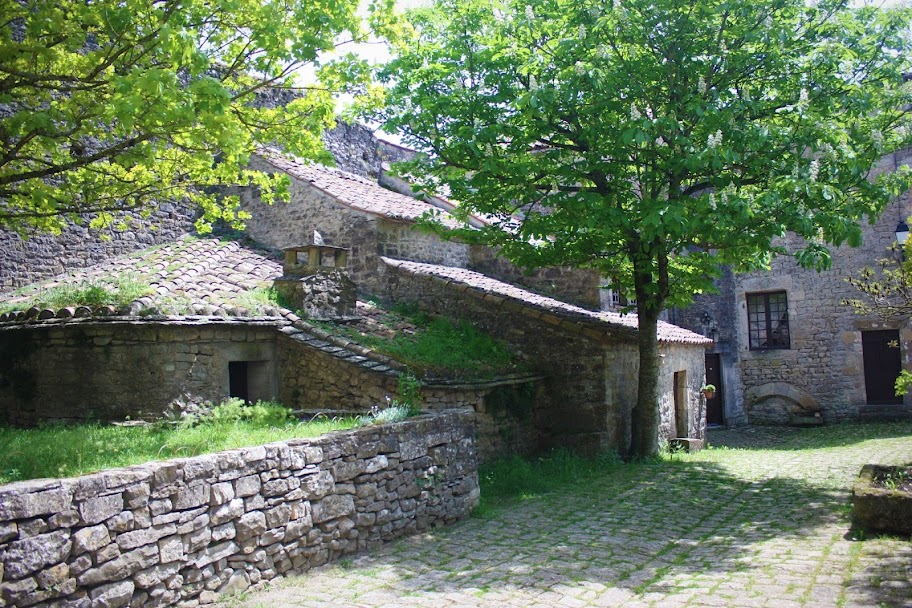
[715, 406]
[882, 364]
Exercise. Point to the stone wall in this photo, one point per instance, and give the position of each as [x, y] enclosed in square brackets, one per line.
[404, 241]
[111, 370]
[314, 380]
[40, 256]
[578, 286]
[184, 531]
[715, 316]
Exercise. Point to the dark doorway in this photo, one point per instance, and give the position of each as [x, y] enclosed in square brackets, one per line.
[237, 380]
[680, 403]
[882, 364]
[715, 406]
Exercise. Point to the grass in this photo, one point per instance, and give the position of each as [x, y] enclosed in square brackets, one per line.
[118, 291]
[66, 451]
[513, 478]
[437, 345]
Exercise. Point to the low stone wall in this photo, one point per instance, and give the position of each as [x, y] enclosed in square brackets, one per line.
[181, 532]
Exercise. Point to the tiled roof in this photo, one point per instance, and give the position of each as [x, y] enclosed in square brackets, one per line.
[195, 276]
[554, 311]
[357, 192]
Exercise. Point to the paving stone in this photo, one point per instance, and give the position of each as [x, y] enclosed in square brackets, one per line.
[729, 528]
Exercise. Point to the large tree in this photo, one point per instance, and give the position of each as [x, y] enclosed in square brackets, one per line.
[116, 105]
[655, 140]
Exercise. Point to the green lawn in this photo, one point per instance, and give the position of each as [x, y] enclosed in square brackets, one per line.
[66, 451]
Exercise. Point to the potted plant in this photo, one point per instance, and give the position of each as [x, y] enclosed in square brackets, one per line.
[708, 390]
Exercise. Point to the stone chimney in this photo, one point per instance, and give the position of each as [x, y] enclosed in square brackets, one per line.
[315, 282]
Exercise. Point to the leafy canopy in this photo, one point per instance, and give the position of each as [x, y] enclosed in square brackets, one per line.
[656, 139]
[120, 104]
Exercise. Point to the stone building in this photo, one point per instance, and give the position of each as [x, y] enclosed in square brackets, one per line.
[785, 345]
[202, 335]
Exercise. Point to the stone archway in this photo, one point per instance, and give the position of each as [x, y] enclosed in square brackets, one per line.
[777, 403]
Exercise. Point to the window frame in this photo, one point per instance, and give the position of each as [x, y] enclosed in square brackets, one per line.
[769, 330]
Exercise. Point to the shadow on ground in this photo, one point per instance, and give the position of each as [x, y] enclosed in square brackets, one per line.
[739, 527]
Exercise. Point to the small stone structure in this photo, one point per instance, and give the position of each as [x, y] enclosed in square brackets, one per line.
[322, 291]
[881, 509]
[181, 532]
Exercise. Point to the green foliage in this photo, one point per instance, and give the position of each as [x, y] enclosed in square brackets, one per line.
[117, 291]
[64, 451]
[233, 410]
[408, 387]
[257, 299]
[114, 105]
[654, 140]
[407, 404]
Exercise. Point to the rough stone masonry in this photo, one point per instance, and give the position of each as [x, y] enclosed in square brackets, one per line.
[181, 532]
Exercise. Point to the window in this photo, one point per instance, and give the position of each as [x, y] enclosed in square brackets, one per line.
[767, 320]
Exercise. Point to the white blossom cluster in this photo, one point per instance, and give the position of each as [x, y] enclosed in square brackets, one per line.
[714, 140]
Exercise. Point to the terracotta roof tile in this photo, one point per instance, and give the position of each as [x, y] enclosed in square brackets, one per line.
[195, 275]
[548, 309]
[355, 191]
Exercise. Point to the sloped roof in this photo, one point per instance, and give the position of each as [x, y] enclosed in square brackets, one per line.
[191, 276]
[561, 312]
[357, 192]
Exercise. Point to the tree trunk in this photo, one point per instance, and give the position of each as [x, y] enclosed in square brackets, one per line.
[645, 415]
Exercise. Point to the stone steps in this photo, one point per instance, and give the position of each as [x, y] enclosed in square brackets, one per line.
[884, 413]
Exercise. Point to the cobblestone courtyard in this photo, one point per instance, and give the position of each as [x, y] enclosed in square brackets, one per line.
[767, 525]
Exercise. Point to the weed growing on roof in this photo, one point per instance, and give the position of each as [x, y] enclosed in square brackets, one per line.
[255, 300]
[118, 291]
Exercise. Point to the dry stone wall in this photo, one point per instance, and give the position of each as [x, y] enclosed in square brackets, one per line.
[182, 532]
[403, 241]
[323, 379]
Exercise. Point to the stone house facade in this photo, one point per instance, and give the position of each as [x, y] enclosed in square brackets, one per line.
[786, 346]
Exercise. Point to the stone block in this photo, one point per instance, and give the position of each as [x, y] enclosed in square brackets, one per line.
[317, 485]
[26, 500]
[250, 525]
[247, 486]
[146, 536]
[227, 512]
[98, 509]
[332, 507]
[171, 549]
[221, 493]
[114, 595]
[8, 531]
[120, 568]
[191, 496]
[148, 578]
[23, 557]
[278, 516]
[90, 539]
[215, 553]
